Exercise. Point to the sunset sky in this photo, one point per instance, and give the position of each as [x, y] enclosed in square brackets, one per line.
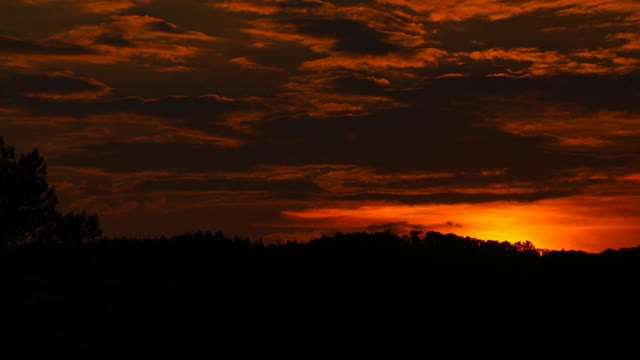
[498, 119]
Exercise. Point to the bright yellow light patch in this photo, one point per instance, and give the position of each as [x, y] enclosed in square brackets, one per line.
[578, 223]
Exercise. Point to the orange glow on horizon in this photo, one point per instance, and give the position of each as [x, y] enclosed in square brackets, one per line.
[584, 223]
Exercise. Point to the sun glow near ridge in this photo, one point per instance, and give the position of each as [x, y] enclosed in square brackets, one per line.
[496, 120]
[576, 223]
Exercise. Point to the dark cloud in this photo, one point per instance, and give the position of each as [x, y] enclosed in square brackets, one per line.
[191, 109]
[296, 189]
[425, 140]
[164, 26]
[13, 45]
[589, 92]
[326, 106]
[540, 29]
[457, 198]
[360, 85]
[403, 227]
[63, 85]
[351, 36]
[113, 39]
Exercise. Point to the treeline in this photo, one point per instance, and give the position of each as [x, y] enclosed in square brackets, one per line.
[357, 295]
[429, 246]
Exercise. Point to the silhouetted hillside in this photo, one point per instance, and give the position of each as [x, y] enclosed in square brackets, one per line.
[360, 295]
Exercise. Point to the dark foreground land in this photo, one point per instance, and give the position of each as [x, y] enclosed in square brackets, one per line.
[356, 296]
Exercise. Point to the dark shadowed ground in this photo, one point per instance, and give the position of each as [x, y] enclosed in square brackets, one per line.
[355, 296]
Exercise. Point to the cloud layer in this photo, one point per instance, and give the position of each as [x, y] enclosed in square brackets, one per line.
[273, 117]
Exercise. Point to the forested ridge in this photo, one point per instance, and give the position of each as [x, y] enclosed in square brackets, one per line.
[361, 295]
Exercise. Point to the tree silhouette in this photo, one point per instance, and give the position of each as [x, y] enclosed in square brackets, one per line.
[74, 229]
[27, 204]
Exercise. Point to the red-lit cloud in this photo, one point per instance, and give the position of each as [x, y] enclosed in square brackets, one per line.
[248, 64]
[142, 39]
[276, 118]
[452, 10]
[610, 130]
